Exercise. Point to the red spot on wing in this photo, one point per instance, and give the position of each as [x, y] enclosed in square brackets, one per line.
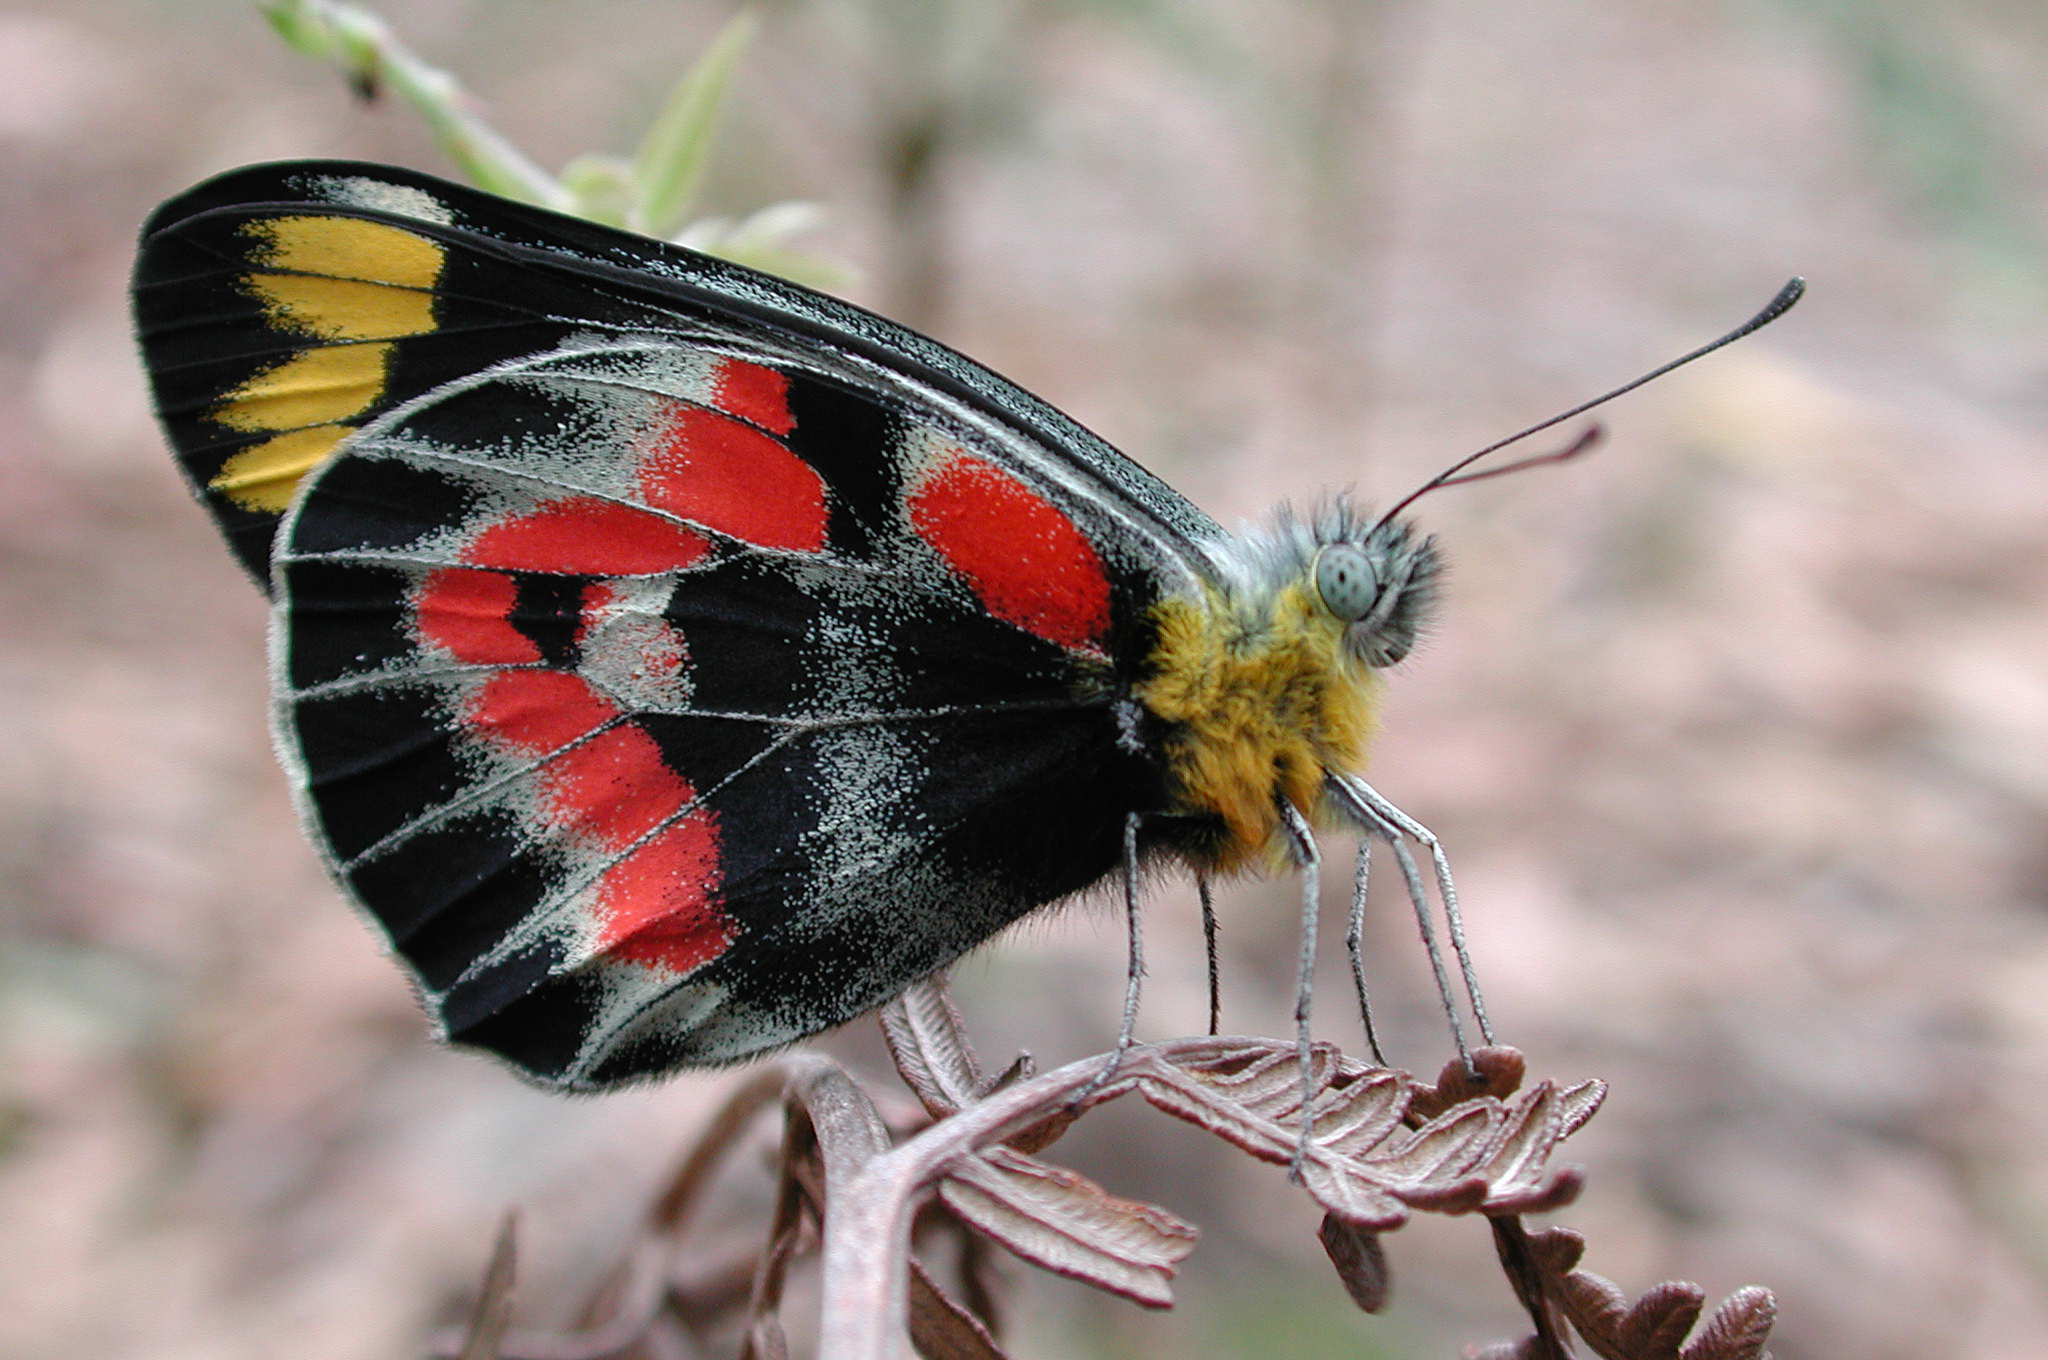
[611, 792]
[654, 907]
[656, 904]
[469, 614]
[607, 789]
[615, 788]
[730, 477]
[600, 596]
[585, 536]
[531, 713]
[1024, 558]
[601, 786]
[754, 393]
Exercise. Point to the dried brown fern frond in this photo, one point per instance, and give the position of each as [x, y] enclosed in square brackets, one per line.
[881, 1198]
[1663, 1324]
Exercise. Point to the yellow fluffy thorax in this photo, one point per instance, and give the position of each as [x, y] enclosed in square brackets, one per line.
[1264, 701]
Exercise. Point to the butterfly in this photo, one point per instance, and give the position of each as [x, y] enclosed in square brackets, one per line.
[673, 662]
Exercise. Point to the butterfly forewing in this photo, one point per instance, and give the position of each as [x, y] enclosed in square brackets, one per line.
[281, 308]
[674, 662]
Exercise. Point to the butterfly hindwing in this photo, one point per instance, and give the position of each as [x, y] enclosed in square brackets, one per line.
[672, 661]
[638, 769]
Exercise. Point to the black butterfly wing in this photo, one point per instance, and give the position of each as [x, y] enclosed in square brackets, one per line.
[672, 661]
[271, 334]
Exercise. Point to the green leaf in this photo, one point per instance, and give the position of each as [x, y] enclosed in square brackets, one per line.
[300, 25]
[600, 188]
[670, 163]
[650, 193]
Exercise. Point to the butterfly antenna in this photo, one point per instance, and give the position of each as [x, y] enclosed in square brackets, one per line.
[1451, 476]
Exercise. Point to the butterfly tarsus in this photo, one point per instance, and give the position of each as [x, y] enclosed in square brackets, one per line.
[1375, 816]
[1301, 842]
[1127, 1028]
[1354, 946]
[1454, 919]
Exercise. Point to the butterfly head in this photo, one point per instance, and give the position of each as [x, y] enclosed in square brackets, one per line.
[1381, 585]
[1376, 580]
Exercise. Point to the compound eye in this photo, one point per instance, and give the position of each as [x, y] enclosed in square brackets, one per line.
[1347, 582]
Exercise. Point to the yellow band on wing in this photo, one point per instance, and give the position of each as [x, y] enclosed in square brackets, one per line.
[358, 286]
[313, 387]
[263, 476]
[347, 248]
[342, 309]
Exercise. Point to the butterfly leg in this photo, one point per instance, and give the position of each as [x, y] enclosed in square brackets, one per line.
[1136, 968]
[1454, 919]
[1301, 843]
[1367, 817]
[1209, 944]
[1354, 945]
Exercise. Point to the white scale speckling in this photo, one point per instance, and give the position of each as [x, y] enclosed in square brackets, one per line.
[871, 823]
[634, 1001]
[632, 654]
[867, 825]
[378, 195]
[863, 799]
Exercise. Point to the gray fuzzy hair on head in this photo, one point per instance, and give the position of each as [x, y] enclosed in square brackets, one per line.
[1261, 560]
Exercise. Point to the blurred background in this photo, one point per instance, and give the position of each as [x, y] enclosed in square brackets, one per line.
[1738, 732]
